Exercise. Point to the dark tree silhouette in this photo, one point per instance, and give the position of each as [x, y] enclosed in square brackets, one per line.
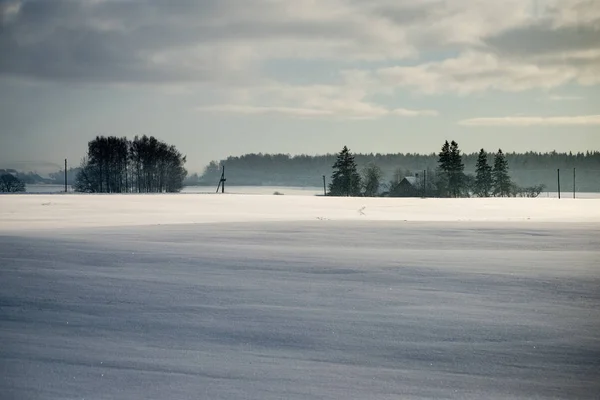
[457, 174]
[11, 184]
[451, 178]
[345, 180]
[444, 168]
[144, 165]
[501, 179]
[484, 184]
[445, 159]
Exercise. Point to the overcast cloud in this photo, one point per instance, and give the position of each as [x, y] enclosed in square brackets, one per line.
[366, 59]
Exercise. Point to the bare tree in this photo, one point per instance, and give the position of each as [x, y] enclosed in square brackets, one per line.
[144, 165]
[371, 178]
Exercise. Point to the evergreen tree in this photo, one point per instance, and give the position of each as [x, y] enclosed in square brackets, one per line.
[451, 177]
[444, 167]
[457, 176]
[345, 180]
[445, 158]
[500, 177]
[483, 176]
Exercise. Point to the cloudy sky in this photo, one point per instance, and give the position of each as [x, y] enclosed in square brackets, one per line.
[227, 77]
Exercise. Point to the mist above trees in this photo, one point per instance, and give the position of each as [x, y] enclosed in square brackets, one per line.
[526, 169]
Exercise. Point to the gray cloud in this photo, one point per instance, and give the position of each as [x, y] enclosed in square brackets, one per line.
[158, 41]
[105, 41]
[579, 120]
[225, 41]
[544, 39]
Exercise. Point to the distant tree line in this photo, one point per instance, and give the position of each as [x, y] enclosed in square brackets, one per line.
[28, 178]
[526, 169]
[142, 165]
[447, 180]
[34, 178]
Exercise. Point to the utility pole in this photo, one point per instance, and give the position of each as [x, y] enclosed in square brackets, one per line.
[573, 182]
[558, 176]
[66, 189]
[222, 181]
[424, 183]
[324, 187]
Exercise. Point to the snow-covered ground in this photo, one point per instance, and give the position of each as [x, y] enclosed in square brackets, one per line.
[298, 297]
[27, 212]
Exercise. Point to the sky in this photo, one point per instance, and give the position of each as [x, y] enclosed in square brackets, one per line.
[228, 77]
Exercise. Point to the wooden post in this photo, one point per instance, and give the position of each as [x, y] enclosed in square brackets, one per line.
[66, 189]
[558, 176]
[324, 187]
[223, 180]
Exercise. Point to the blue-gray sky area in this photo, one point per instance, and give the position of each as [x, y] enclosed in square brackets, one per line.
[228, 77]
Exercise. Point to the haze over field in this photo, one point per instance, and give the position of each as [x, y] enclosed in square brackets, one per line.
[298, 297]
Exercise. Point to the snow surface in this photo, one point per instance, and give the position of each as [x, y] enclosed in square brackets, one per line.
[271, 297]
[18, 212]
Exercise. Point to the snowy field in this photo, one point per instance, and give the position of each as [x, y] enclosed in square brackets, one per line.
[298, 297]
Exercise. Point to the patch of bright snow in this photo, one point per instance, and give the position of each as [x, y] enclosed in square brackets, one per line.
[24, 212]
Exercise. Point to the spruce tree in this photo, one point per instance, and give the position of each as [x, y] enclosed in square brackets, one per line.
[456, 174]
[483, 176]
[345, 180]
[451, 177]
[500, 177]
[445, 157]
[444, 167]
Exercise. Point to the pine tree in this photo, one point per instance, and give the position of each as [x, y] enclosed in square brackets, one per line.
[500, 177]
[483, 176]
[457, 168]
[444, 168]
[451, 178]
[345, 180]
[445, 157]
